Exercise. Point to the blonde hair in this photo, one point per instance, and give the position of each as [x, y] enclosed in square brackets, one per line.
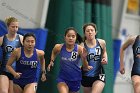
[10, 19]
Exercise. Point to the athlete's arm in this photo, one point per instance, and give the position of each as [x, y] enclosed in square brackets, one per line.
[130, 41]
[104, 56]
[14, 56]
[42, 61]
[55, 52]
[1, 40]
[83, 54]
[21, 39]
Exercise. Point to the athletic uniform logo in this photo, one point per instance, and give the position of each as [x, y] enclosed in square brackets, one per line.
[74, 55]
[138, 52]
[72, 58]
[94, 56]
[9, 48]
[102, 77]
[33, 64]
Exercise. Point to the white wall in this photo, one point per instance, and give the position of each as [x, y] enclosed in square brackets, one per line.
[29, 12]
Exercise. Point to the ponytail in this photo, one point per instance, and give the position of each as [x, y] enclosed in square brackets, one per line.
[79, 39]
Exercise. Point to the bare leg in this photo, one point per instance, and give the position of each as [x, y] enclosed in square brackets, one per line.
[62, 87]
[136, 83]
[4, 84]
[30, 88]
[97, 86]
[11, 86]
[17, 88]
[86, 89]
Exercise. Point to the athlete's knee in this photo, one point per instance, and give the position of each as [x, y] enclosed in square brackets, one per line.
[3, 91]
[137, 84]
[137, 87]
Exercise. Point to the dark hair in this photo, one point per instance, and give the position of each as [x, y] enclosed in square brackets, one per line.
[79, 39]
[70, 28]
[29, 35]
[89, 24]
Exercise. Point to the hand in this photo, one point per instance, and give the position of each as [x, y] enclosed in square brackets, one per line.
[138, 55]
[104, 61]
[50, 65]
[122, 70]
[88, 68]
[84, 54]
[17, 75]
[43, 78]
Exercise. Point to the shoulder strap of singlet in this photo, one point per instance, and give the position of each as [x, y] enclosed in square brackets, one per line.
[4, 37]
